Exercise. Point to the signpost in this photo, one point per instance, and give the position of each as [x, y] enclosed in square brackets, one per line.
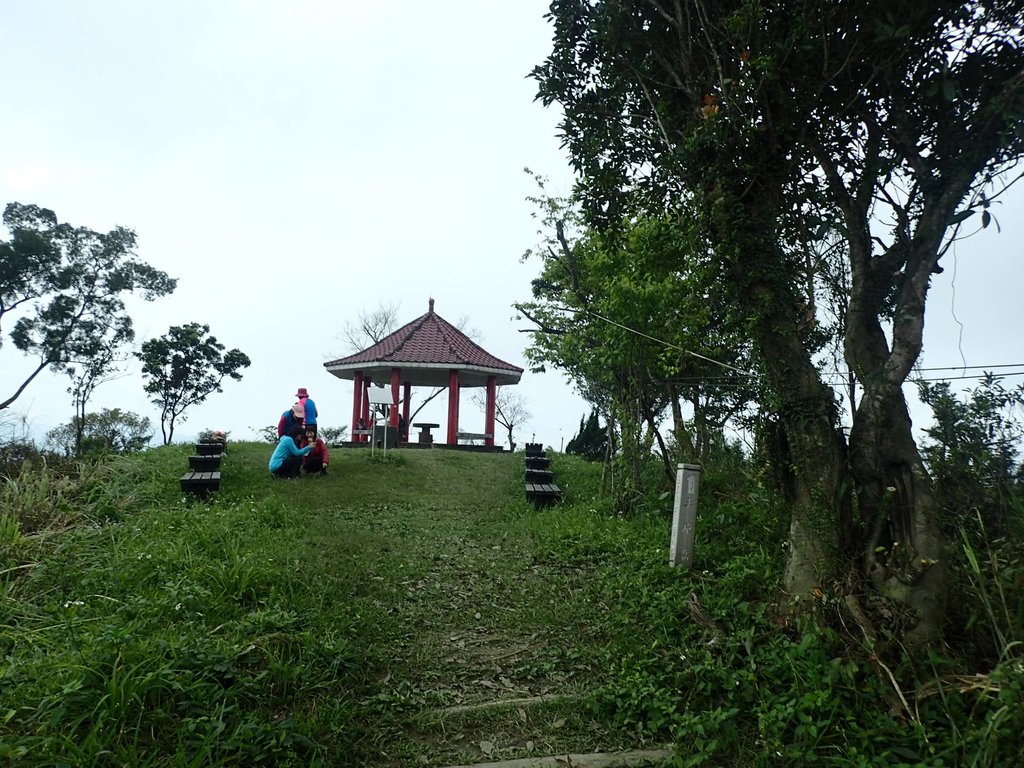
[379, 397]
[684, 515]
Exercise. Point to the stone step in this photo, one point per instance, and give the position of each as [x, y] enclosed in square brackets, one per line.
[627, 759]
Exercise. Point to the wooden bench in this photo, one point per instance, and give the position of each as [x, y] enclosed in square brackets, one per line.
[474, 436]
[542, 494]
[537, 462]
[205, 463]
[212, 448]
[200, 483]
[541, 476]
[534, 449]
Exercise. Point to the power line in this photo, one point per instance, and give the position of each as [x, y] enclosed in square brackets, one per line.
[658, 341]
[725, 382]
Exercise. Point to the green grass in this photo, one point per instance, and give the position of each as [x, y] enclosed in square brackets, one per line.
[379, 615]
[334, 619]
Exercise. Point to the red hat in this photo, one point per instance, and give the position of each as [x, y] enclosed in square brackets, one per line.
[302, 392]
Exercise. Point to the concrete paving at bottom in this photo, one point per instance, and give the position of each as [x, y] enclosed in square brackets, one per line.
[629, 759]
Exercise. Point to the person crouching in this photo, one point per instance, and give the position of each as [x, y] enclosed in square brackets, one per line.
[286, 460]
[319, 457]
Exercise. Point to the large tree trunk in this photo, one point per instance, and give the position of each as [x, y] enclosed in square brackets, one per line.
[684, 443]
[817, 457]
[815, 460]
[901, 541]
[806, 407]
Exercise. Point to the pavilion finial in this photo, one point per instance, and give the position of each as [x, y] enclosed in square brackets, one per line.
[431, 305]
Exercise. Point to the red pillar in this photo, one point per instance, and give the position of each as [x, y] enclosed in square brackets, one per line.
[453, 406]
[396, 383]
[366, 407]
[489, 410]
[357, 402]
[406, 396]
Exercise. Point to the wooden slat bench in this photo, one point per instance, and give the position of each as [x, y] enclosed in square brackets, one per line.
[205, 463]
[200, 483]
[539, 476]
[542, 494]
[210, 448]
[537, 462]
[474, 436]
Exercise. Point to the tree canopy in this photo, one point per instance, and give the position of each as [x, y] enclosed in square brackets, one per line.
[183, 368]
[109, 430]
[768, 125]
[65, 285]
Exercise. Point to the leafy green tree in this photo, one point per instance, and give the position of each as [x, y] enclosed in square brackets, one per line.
[758, 122]
[620, 315]
[591, 442]
[109, 430]
[973, 451]
[66, 285]
[102, 365]
[331, 435]
[183, 368]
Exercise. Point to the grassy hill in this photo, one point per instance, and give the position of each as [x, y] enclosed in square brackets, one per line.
[415, 610]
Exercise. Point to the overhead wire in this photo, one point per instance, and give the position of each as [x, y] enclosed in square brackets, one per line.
[724, 381]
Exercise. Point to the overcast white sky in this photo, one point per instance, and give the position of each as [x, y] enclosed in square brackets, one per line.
[295, 163]
[291, 164]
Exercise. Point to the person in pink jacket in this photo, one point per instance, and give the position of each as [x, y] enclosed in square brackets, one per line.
[319, 457]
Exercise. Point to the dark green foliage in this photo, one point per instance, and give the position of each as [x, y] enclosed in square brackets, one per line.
[814, 150]
[332, 435]
[67, 284]
[973, 451]
[110, 430]
[16, 454]
[591, 442]
[183, 368]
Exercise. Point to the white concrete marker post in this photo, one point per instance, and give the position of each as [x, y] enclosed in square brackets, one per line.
[684, 515]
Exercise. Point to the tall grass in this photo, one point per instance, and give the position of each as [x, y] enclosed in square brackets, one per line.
[383, 614]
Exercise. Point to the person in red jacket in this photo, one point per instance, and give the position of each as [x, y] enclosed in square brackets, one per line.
[318, 458]
[293, 417]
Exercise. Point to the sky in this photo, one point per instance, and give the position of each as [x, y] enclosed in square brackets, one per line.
[295, 164]
[292, 164]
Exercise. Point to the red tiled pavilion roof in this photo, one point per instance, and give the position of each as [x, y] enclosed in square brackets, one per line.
[425, 350]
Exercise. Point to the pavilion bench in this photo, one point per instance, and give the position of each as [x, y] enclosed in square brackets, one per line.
[474, 436]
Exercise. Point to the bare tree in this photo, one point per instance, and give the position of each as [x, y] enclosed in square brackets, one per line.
[369, 327]
[509, 410]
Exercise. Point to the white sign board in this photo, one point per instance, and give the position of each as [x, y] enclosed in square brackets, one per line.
[379, 396]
